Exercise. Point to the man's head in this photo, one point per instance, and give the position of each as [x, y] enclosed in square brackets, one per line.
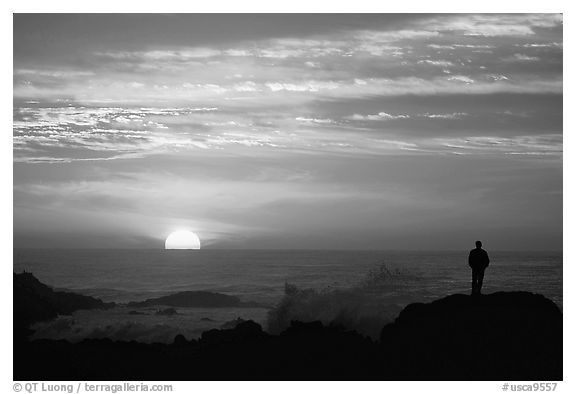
[478, 244]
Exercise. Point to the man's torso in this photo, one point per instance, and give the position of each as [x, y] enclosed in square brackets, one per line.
[478, 259]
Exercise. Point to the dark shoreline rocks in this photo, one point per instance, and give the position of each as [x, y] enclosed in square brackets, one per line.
[500, 336]
[34, 302]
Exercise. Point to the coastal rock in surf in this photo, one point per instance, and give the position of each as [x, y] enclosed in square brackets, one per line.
[499, 336]
[232, 323]
[136, 313]
[166, 312]
[245, 331]
[181, 341]
[191, 299]
[34, 302]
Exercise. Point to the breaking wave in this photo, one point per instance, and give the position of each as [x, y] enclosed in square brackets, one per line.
[365, 307]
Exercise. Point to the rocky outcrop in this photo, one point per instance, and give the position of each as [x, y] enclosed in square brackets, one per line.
[34, 302]
[166, 312]
[499, 336]
[191, 299]
[232, 323]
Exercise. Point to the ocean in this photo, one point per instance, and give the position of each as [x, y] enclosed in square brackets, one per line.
[260, 276]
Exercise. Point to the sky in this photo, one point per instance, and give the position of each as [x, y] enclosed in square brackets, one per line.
[294, 131]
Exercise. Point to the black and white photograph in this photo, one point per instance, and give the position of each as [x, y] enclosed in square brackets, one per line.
[288, 197]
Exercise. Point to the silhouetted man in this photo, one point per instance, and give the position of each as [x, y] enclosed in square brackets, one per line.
[478, 260]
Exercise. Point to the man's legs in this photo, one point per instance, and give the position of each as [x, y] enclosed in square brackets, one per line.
[474, 281]
[480, 279]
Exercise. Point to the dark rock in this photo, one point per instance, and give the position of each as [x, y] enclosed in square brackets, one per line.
[191, 299]
[180, 340]
[500, 336]
[166, 312]
[35, 302]
[136, 313]
[232, 323]
[244, 331]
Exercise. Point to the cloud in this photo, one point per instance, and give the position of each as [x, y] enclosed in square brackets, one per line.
[497, 77]
[541, 45]
[60, 74]
[97, 133]
[347, 63]
[519, 57]
[533, 145]
[378, 116]
[383, 116]
[296, 91]
[307, 86]
[439, 63]
[180, 55]
[320, 121]
[453, 115]
[461, 78]
[493, 25]
[456, 46]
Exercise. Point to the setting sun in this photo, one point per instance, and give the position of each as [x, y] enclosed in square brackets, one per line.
[182, 240]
